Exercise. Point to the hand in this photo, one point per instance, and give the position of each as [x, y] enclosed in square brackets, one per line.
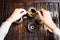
[17, 14]
[45, 16]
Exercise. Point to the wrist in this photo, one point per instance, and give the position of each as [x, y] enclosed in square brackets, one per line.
[52, 26]
[9, 20]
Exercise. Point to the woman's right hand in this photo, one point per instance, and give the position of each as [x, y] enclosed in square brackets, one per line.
[16, 15]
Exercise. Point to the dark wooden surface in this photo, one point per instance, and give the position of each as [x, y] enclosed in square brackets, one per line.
[16, 32]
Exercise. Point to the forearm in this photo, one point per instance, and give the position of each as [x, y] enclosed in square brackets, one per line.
[57, 32]
[55, 29]
[17, 14]
[4, 29]
[52, 26]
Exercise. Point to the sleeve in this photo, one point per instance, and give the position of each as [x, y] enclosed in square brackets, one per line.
[57, 32]
[4, 29]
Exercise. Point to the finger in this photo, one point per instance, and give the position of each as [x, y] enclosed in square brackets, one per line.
[40, 15]
[23, 11]
[20, 10]
[43, 10]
